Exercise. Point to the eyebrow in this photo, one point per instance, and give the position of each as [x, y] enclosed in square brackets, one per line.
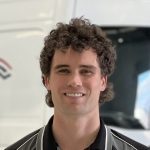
[88, 66]
[81, 66]
[61, 66]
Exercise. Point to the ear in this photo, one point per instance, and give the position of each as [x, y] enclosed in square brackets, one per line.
[46, 82]
[103, 82]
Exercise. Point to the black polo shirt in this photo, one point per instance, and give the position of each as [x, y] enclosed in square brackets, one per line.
[50, 143]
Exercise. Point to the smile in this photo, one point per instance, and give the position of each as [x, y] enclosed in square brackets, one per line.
[74, 94]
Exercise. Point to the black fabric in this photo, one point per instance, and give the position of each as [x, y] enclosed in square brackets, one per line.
[49, 142]
[99, 143]
[48, 139]
[114, 148]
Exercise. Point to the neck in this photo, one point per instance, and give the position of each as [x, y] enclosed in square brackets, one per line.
[75, 132]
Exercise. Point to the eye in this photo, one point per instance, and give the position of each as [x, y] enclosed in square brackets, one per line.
[63, 71]
[86, 72]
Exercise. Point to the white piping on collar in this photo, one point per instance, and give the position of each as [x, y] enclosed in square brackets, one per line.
[42, 136]
[124, 141]
[26, 141]
[106, 138]
[58, 148]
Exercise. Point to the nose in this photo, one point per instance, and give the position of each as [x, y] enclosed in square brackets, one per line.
[74, 80]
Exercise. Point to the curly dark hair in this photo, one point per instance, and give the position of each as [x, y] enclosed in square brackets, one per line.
[80, 35]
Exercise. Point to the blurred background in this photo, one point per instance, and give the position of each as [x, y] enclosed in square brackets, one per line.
[23, 26]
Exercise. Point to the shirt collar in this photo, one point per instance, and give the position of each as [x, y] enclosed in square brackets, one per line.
[99, 143]
[49, 140]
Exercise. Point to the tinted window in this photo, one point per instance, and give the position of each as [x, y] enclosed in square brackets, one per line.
[131, 79]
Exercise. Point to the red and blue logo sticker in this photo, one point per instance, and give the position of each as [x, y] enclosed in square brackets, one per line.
[5, 69]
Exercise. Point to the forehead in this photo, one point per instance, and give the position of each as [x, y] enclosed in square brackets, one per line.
[72, 57]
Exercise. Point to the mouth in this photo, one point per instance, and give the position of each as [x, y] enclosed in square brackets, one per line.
[77, 94]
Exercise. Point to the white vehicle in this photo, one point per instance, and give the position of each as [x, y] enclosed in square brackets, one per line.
[23, 26]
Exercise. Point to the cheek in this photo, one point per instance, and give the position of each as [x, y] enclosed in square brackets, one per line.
[57, 83]
[93, 85]
[96, 86]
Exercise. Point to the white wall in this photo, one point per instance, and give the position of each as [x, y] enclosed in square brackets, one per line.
[115, 12]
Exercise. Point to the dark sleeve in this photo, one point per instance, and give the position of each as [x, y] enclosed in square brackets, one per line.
[136, 144]
[23, 140]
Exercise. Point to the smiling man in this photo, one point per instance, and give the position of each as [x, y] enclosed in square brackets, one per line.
[76, 63]
[75, 83]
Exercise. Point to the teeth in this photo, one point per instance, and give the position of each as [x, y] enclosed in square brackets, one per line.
[74, 94]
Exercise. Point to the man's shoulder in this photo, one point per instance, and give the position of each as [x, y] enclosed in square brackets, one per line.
[123, 140]
[31, 137]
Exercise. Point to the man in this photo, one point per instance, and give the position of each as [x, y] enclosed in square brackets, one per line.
[76, 62]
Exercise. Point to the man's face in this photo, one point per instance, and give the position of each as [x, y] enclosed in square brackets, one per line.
[75, 82]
